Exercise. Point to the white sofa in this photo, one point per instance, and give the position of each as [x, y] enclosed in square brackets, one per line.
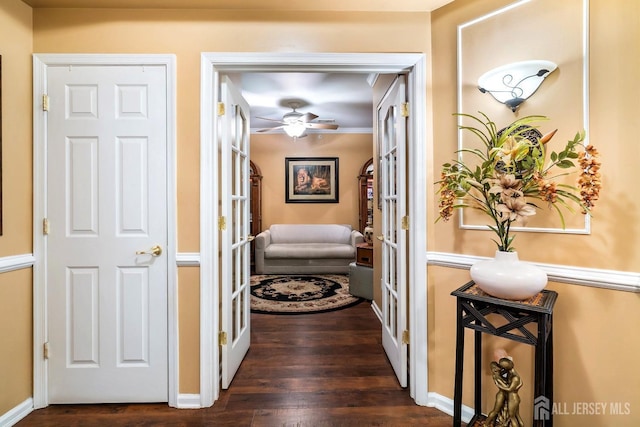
[306, 249]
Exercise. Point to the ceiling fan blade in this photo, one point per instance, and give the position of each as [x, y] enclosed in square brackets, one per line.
[270, 120]
[269, 129]
[308, 117]
[321, 126]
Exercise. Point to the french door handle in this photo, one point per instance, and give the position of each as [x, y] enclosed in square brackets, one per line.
[250, 238]
[154, 251]
[380, 237]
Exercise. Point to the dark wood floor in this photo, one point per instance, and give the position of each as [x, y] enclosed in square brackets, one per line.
[326, 369]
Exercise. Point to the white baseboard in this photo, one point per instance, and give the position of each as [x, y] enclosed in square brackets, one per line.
[445, 405]
[188, 401]
[17, 414]
[376, 310]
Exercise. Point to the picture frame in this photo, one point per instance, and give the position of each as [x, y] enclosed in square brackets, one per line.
[311, 180]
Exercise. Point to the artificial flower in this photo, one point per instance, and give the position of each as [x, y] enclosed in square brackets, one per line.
[513, 169]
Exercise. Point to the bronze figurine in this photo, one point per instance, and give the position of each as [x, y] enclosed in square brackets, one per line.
[505, 410]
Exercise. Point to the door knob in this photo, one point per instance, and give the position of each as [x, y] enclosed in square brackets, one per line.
[380, 237]
[250, 238]
[154, 251]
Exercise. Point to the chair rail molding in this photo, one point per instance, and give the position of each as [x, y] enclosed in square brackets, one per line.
[598, 278]
[16, 262]
[188, 259]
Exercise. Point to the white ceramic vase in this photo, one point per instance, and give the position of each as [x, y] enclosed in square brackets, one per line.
[505, 276]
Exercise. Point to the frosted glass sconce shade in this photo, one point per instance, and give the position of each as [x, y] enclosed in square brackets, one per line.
[512, 83]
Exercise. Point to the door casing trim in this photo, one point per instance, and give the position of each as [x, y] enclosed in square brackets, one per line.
[414, 65]
[41, 62]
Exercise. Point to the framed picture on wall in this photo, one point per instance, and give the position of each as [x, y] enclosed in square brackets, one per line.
[311, 179]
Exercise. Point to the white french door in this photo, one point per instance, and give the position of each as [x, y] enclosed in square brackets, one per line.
[106, 207]
[392, 125]
[235, 230]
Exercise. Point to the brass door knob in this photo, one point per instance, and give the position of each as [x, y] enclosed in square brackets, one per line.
[380, 237]
[154, 251]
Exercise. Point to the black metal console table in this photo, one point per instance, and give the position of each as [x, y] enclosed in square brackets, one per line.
[473, 306]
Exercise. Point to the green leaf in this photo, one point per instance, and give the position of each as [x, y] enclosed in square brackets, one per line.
[565, 164]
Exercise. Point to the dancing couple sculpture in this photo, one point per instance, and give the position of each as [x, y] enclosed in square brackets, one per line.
[505, 410]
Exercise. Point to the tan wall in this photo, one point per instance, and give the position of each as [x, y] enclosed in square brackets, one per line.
[268, 152]
[188, 33]
[595, 347]
[15, 287]
[595, 337]
[16, 325]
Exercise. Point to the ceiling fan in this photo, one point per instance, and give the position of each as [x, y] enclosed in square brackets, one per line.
[295, 123]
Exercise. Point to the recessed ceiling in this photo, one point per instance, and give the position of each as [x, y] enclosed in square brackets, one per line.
[341, 98]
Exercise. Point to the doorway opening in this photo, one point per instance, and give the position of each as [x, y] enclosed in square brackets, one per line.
[213, 65]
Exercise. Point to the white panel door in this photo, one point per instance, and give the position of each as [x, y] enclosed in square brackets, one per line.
[236, 231]
[106, 202]
[392, 125]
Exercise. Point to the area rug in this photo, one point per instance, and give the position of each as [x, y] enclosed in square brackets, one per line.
[300, 294]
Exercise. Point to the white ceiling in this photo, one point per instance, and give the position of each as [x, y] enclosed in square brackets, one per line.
[341, 98]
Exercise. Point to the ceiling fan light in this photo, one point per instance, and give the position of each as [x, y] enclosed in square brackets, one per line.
[294, 130]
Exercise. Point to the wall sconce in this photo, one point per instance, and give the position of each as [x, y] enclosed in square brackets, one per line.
[511, 84]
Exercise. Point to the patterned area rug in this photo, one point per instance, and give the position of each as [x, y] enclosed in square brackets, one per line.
[300, 294]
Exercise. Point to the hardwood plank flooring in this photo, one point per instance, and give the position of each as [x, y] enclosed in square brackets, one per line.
[315, 370]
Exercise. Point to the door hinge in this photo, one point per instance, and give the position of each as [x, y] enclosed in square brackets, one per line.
[222, 338]
[45, 102]
[405, 337]
[45, 226]
[221, 109]
[405, 109]
[45, 350]
[222, 223]
[405, 222]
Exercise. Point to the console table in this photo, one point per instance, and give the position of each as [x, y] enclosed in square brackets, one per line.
[473, 306]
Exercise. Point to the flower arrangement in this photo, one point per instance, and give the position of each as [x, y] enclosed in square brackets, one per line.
[514, 168]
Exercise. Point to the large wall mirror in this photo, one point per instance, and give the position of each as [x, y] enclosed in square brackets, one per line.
[525, 30]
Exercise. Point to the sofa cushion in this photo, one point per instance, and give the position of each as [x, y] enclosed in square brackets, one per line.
[310, 233]
[309, 250]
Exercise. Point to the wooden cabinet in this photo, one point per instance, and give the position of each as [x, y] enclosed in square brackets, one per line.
[255, 209]
[365, 180]
[364, 255]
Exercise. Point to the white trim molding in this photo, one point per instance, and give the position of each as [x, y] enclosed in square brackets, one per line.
[583, 276]
[581, 54]
[16, 414]
[188, 259]
[16, 262]
[215, 63]
[188, 401]
[445, 405]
